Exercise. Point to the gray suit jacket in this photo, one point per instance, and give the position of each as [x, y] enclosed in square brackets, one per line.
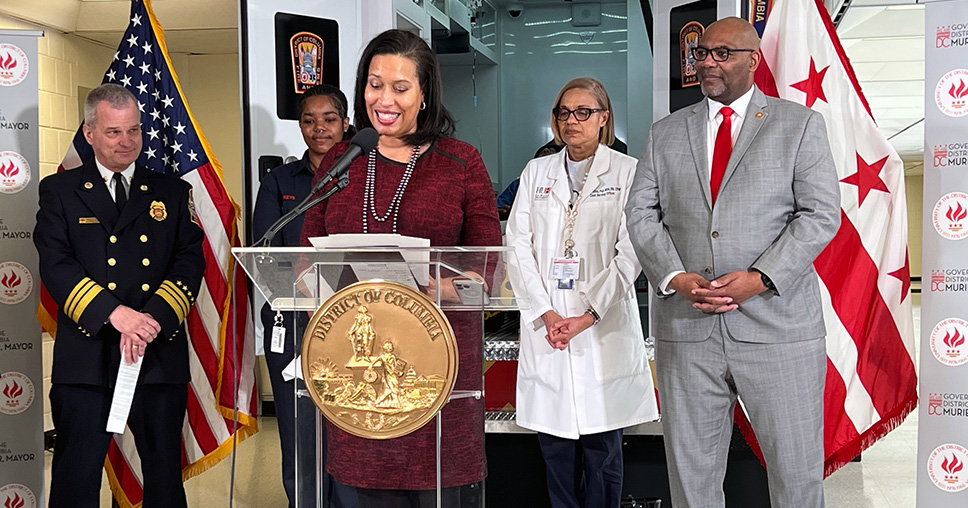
[778, 206]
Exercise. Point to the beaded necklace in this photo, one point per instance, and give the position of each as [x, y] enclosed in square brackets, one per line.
[369, 191]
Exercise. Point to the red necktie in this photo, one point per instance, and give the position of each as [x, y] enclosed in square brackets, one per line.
[721, 151]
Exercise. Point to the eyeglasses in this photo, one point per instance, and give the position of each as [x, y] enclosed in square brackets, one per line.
[718, 54]
[581, 114]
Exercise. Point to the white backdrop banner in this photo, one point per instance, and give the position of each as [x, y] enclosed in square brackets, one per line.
[21, 366]
[943, 416]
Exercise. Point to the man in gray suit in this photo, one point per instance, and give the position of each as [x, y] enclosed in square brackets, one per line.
[732, 201]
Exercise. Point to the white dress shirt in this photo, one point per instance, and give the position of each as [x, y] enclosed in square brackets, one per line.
[108, 176]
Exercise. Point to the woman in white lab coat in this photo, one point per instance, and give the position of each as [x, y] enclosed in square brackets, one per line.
[583, 374]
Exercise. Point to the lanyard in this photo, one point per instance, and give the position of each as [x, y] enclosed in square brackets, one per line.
[571, 214]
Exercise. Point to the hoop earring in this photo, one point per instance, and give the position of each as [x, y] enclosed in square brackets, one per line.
[423, 105]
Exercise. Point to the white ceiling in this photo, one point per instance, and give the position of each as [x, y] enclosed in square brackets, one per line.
[884, 40]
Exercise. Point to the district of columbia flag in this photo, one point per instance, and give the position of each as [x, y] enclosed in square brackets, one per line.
[864, 272]
[173, 143]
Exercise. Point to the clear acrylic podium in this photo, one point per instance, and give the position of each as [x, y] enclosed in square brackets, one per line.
[465, 282]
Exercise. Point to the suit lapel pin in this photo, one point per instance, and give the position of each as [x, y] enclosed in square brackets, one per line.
[759, 114]
[158, 211]
[88, 185]
[144, 187]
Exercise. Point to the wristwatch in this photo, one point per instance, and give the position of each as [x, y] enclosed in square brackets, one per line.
[766, 281]
[594, 315]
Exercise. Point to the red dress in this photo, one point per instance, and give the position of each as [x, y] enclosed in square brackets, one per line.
[449, 200]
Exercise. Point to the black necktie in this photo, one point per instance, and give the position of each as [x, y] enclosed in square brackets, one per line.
[120, 197]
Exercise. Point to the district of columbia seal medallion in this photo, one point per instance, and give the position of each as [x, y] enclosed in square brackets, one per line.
[380, 359]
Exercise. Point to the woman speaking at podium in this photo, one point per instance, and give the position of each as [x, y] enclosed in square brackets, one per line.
[422, 182]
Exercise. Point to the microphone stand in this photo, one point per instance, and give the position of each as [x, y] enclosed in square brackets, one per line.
[266, 239]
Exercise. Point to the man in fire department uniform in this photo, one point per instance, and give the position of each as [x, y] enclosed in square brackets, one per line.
[121, 255]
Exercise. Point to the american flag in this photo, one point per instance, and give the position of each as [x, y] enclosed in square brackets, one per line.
[865, 274]
[174, 144]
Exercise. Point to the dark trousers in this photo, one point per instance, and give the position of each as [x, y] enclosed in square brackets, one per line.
[463, 496]
[584, 472]
[297, 429]
[80, 414]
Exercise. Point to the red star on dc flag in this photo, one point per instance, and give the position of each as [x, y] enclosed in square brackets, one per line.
[903, 274]
[813, 85]
[866, 178]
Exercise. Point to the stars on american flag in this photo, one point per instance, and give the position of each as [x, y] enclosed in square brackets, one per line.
[170, 143]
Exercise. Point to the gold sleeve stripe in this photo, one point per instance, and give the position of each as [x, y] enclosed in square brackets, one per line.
[87, 292]
[81, 287]
[173, 303]
[175, 299]
[176, 291]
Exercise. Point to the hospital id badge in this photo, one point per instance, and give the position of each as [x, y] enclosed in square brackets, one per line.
[566, 271]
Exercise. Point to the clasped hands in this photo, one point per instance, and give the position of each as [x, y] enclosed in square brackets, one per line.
[719, 295]
[137, 329]
[562, 330]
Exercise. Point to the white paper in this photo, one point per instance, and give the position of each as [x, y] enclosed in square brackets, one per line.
[123, 395]
[418, 262]
[293, 370]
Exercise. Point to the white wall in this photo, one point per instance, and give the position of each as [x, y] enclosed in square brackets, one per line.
[476, 124]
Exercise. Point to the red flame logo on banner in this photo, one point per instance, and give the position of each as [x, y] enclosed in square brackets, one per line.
[951, 467]
[8, 62]
[10, 280]
[954, 340]
[961, 91]
[9, 169]
[13, 391]
[956, 214]
[14, 502]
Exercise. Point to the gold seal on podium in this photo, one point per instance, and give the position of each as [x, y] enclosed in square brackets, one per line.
[379, 359]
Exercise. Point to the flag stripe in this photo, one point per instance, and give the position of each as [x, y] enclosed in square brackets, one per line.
[200, 428]
[210, 217]
[209, 316]
[855, 402]
[117, 466]
[839, 429]
[851, 277]
[215, 284]
[206, 396]
[207, 357]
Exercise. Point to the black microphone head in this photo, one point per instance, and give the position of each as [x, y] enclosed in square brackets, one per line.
[366, 139]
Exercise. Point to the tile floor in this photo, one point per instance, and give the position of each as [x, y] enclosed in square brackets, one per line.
[885, 478]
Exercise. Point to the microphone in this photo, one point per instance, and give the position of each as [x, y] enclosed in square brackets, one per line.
[363, 142]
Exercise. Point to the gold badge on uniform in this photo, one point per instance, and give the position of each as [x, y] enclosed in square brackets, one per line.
[380, 359]
[88, 185]
[158, 211]
[191, 208]
[88, 220]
